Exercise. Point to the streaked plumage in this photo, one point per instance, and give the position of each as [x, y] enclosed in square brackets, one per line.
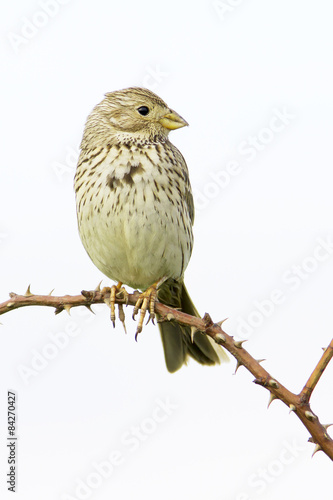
[135, 206]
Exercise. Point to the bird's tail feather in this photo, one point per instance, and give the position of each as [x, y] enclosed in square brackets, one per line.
[176, 339]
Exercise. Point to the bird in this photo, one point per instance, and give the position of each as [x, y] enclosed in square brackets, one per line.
[135, 213]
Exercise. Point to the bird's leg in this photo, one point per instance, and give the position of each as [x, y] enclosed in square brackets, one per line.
[122, 293]
[110, 299]
[146, 301]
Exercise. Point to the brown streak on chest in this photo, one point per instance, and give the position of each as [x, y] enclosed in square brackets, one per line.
[127, 179]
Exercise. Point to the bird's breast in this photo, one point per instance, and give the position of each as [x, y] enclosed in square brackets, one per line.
[132, 215]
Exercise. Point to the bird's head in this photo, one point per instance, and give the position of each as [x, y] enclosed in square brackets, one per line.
[133, 114]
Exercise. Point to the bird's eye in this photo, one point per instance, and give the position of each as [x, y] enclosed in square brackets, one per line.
[143, 110]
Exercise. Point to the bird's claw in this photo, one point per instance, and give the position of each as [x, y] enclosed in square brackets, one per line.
[123, 294]
[145, 302]
[110, 295]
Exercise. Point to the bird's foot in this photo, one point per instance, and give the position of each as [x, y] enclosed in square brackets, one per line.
[146, 301]
[110, 295]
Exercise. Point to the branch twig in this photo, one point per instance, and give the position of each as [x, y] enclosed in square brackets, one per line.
[307, 390]
[299, 404]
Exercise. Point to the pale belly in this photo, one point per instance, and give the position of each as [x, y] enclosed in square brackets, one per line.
[137, 242]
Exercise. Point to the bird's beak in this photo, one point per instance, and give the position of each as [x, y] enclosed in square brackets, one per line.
[172, 121]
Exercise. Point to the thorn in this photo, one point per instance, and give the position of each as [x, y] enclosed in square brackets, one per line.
[51, 291]
[121, 316]
[88, 306]
[98, 287]
[239, 343]
[10, 304]
[310, 416]
[273, 383]
[170, 316]
[326, 426]
[193, 332]
[317, 448]
[311, 440]
[260, 360]
[67, 308]
[259, 381]
[220, 323]
[271, 399]
[28, 292]
[292, 408]
[238, 365]
[124, 327]
[220, 338]
[207, 320]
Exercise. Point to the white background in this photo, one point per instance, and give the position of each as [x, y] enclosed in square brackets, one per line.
[225, 68]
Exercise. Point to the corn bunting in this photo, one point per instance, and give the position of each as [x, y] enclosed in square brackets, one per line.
[135, 211]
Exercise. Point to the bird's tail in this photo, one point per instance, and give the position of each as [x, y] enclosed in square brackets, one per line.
[176, 339]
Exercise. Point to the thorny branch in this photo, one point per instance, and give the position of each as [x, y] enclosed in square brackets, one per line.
[298, 403]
